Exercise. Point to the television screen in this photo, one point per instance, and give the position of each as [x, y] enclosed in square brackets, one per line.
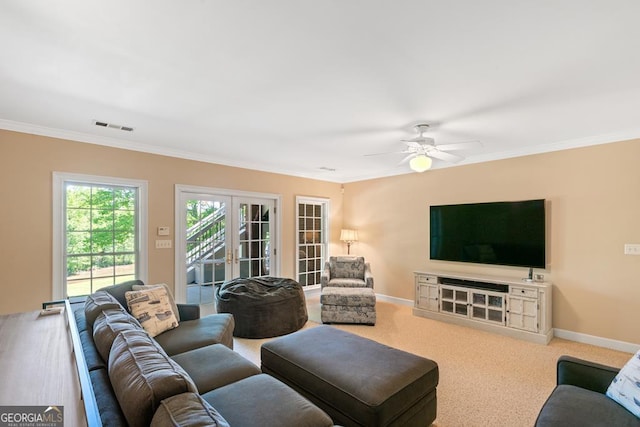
[502, 233]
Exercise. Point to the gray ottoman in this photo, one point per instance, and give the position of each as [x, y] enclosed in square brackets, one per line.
[263, 307]
[357, 381]
[348, 305]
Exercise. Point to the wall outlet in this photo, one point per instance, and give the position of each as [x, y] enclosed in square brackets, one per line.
[163, 231]
[632, 249]
[163, 244]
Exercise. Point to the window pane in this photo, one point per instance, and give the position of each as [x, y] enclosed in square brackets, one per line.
[78, 219]
[78, 196]
[125, 241]
[124, 220]
[79, 242]
[102, 242]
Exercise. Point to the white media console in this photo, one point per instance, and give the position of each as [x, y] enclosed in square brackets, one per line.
[513, 307]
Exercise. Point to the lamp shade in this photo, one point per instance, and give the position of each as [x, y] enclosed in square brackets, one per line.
[347, 235]
[420, 163]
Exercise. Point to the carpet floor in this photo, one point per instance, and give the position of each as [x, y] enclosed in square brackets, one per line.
[485, 379]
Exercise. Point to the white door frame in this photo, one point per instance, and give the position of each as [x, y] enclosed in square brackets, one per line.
[180, 289]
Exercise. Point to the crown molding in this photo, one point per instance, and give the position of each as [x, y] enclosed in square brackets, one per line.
[127, 144]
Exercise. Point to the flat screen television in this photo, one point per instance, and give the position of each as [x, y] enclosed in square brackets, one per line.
[501, 233]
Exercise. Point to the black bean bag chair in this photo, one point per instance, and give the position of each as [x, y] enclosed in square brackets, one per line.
[263, 307]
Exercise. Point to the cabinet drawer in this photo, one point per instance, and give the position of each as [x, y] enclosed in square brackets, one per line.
[428, 279]
[524, 292]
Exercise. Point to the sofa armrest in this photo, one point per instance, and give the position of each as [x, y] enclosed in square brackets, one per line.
[582, 373]
[188, 311]
[368, 277]
[325, 276]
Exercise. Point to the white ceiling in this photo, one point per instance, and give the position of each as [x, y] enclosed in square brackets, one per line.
[295, 86]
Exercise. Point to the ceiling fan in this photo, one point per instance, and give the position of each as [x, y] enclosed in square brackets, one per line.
[422, 149]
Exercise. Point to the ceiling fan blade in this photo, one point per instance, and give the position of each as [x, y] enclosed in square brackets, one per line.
[447, 157]
[459, 146]
[383, 154]
[407, 158]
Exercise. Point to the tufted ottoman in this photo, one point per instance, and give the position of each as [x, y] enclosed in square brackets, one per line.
[263, 307]
[348, 305]
[357, 381]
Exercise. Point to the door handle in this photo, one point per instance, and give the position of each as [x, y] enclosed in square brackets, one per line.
[236, 255]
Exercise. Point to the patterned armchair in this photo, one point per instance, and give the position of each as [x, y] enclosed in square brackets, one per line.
[346, 272]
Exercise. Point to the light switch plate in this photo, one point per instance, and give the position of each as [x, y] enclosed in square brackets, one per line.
[163, 244]
[632, 249]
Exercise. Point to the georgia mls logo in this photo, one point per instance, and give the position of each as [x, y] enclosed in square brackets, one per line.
[31, 416]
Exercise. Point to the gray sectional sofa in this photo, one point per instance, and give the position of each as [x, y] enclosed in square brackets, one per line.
[185, 376]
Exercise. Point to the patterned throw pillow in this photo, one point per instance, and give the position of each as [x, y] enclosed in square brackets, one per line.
[625, 388]
[153, 310]
[174, 307]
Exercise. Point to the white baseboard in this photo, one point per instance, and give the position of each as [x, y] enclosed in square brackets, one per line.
[395, 300]
[627, 347]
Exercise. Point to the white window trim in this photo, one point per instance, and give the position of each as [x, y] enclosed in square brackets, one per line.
[59, 180]
[325, 236]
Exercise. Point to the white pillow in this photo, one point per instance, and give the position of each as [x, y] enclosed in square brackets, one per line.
[152, 309]
[174, 307]
[625, 387]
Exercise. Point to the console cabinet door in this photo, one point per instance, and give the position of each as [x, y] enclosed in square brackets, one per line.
[487, 306]
[427, 296]
[522, 313]
[454, 300]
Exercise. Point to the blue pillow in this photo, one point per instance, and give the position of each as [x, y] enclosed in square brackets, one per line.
[625, 387]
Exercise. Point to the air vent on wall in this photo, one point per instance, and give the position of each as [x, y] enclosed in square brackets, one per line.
[113, 126]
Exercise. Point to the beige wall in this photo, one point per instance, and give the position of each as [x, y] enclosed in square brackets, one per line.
[593, 196]
[26, 166]
[593, 199]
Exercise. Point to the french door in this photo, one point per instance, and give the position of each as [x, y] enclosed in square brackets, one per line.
[220, 237]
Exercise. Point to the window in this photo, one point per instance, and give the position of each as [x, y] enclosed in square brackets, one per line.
[312, 226]
[99, 233]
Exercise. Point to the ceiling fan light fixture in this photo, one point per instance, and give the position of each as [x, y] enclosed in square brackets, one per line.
[420, 163]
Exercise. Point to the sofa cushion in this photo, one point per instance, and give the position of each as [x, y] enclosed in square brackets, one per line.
[107, 326]
[96, 302]
[263, 400]
[151, 307]
[172, 301]
[92, 358]
[192, 334]
[110, 413]
[118, 291]
[347, 267]
[80, 317]
[187, 409]
[569, 405]
[625, 387]
[142, 375]
[215, 366]
[353, 297]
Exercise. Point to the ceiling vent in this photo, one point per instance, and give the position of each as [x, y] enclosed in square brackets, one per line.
[113, 126]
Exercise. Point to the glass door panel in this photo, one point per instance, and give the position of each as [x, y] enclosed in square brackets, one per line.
[253, 255]
[206, 246]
